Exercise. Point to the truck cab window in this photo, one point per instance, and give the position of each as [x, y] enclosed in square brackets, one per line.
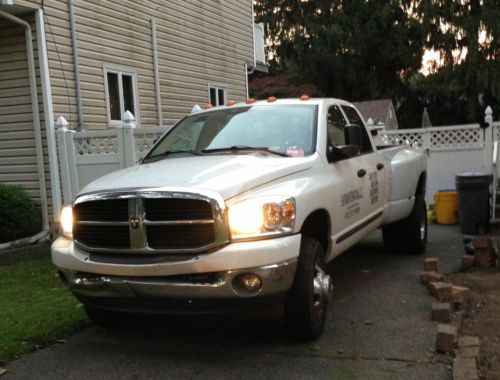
[354, 118]
[336, 124]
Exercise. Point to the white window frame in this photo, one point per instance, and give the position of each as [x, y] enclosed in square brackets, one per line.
[217, 87]
[114, 69]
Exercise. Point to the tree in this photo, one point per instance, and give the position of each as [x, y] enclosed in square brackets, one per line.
[466, 33]
[352, 49]
[366, 49]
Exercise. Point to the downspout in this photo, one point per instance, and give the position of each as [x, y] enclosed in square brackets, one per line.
[252, 66]
[38, 136]
[48, 111]
[76, 64]
[157, 73]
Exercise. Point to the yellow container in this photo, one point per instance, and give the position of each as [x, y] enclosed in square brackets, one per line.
[446, 207]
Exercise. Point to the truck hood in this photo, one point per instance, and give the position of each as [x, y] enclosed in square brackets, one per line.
[229, 175]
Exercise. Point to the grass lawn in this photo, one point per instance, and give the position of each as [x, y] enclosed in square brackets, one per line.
[35, 308]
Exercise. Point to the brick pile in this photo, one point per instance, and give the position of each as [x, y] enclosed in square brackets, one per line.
[485, 253]
[449, 299]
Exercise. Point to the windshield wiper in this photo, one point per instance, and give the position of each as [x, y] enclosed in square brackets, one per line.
[239, 148]
[162, 155]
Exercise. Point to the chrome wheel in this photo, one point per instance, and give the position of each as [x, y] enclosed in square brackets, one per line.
[322, 290]
[423, 228]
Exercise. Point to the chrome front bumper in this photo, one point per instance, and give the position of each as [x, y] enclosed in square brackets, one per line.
[198, 292]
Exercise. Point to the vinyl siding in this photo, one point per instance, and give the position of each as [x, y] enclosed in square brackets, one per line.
[199, 42]
[18, 161]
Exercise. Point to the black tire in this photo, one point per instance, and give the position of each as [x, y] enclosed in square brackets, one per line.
[415, 228]
[410, 234]
[391, 235]
[307, 301]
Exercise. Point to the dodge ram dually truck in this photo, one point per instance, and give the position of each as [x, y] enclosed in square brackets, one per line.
[239, 206]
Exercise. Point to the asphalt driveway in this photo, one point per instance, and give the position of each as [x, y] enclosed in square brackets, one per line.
[379, 328]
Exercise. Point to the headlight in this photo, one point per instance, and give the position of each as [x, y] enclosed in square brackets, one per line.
[67, 220]
[262, 217]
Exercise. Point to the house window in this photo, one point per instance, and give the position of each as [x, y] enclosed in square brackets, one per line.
[217, 95]
[121, 93]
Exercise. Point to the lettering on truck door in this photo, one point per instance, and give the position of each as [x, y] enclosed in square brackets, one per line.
[374, 166]
[349, 194]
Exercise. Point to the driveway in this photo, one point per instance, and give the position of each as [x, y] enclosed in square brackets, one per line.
[378, 328]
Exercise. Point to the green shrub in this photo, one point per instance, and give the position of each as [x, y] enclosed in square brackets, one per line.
[20, 217]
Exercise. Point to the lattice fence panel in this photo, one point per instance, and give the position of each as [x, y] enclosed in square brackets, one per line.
[85, 146]
[415, 139]
[497, 131]
[144, 141]
[456, 138]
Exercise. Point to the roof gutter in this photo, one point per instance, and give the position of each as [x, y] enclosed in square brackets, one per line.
[36, 126]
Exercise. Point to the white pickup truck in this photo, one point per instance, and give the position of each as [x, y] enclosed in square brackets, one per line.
[238, 206]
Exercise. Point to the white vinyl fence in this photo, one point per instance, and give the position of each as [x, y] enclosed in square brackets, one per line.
[450, 150]
[85, 156]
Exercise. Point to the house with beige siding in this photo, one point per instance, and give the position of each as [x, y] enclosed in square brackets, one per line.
[91, 60]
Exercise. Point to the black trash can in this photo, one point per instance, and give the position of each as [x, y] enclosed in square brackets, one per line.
[473, 202]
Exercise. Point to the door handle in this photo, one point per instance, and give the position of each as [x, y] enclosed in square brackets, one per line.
[380, 166]
[361, 172]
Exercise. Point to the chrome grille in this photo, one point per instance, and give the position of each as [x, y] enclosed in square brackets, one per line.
[145, 222]
[111, 210]
[177, 209]
[103, 236]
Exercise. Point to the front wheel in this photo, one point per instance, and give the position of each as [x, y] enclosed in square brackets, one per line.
[307, 301]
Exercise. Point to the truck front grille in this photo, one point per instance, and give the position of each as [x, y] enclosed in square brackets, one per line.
[177, 209]
[146, 223]
[102, 236]
[178, 237]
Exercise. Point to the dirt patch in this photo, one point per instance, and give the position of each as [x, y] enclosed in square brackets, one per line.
[482, 316]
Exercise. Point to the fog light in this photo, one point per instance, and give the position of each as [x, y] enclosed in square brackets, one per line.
[251, 282]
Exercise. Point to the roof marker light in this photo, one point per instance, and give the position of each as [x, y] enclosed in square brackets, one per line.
[305, 97]
[272, 99]
[230, 103]
[250, 101]
[207, 106]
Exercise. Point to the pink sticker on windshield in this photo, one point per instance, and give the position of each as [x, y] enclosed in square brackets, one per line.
[295, 152]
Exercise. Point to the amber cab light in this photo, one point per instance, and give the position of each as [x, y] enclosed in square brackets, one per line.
[250, 101]
[271, 99]
[305, 97]
[207, 106]
[230, 103]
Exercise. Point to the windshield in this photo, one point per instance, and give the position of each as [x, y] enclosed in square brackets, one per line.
[287, 130]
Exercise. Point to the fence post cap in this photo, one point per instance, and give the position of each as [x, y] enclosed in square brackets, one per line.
[62, 123]
[369, 121]
[488, 111]
[128, 117]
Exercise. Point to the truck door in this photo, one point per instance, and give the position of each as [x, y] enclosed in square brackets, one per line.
[349, 192]
[373, 165]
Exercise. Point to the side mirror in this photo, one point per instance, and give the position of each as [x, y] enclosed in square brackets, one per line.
[337, 153]
[374, 132]
[353, 135]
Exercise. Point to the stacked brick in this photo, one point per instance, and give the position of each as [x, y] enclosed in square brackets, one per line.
[485, 253]
[450, 297]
